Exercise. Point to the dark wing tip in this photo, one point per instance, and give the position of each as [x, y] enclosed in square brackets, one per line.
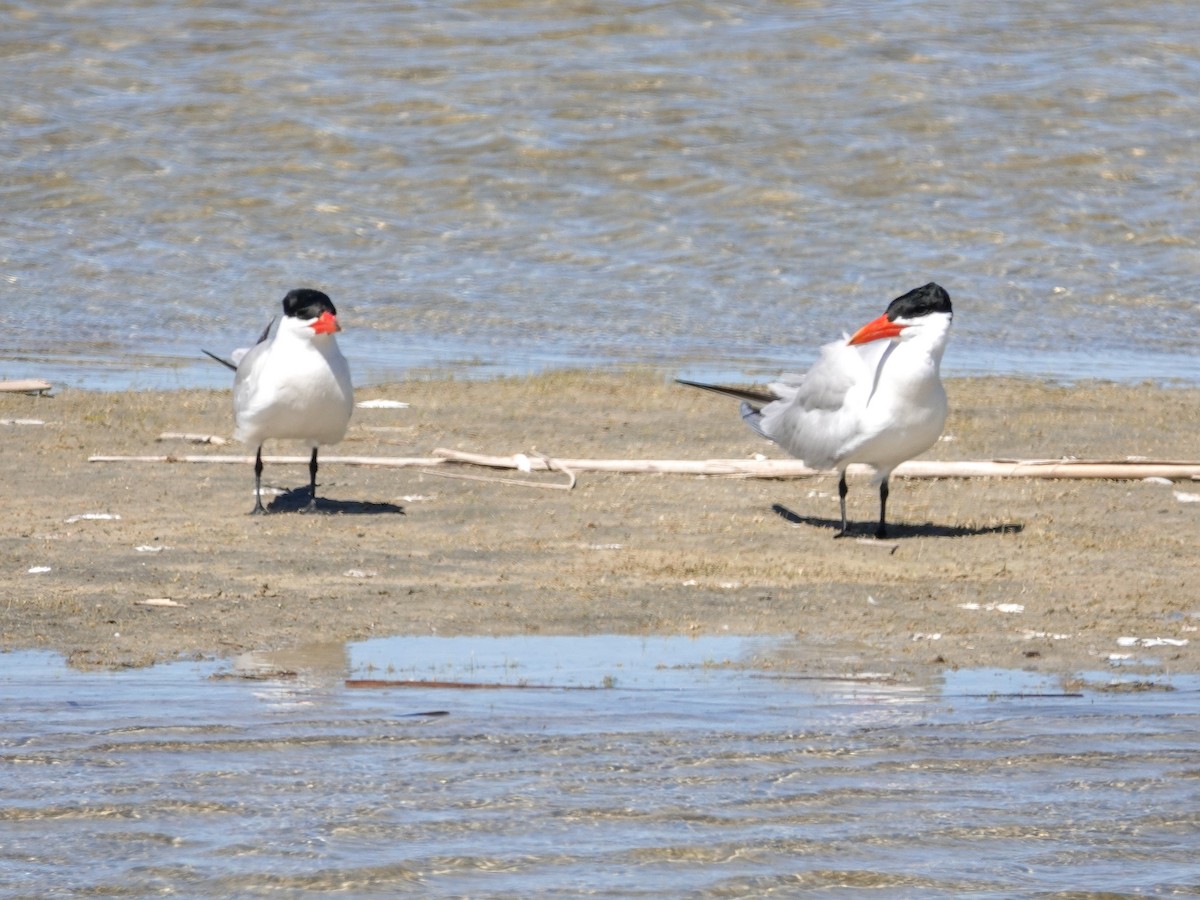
[752, 416]
[739, 393]
[223, 362]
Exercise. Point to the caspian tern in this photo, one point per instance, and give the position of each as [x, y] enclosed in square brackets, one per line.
[293, 384]
[879, 405]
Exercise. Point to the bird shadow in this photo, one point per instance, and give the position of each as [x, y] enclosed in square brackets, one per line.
[296, 501]
[896, 530]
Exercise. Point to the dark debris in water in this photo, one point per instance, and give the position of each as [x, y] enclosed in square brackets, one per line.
[255, 675]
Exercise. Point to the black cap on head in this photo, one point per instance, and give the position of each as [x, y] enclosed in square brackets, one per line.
[305, 303]
[932, 298]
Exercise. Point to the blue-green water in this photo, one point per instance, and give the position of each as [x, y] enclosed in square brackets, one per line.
[709, 189]
[608, 766]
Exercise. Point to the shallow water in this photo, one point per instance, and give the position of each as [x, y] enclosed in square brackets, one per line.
[711, 189]
[609, 766]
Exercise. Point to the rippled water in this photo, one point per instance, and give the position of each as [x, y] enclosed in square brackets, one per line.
[612, 767]
[709, 188]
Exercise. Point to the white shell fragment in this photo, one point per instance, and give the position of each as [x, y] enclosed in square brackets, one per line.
[158, 601]
[39, 570]
[994, 607]
[1151, 642]
[1185, 497]
[381, 404]
[87, 517]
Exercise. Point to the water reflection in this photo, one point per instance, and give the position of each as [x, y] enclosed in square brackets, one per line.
[611, 766]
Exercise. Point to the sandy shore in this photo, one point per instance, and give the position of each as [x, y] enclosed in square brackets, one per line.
[1048, 575]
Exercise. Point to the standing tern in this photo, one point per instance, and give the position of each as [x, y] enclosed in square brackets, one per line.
[293, 384]
[880, 404]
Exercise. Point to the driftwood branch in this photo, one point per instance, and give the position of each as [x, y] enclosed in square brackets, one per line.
[765, 468]
[193, 438]
[917, 468]
[1116, 470]
[746, 468]
[25, 386]
[387, 462]
[524, 464]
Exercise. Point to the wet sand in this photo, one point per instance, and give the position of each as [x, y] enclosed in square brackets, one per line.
[1045, 575]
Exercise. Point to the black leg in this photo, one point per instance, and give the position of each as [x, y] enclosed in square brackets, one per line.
[312, 480]
[259, 509]
[842, 491]
[881, 531]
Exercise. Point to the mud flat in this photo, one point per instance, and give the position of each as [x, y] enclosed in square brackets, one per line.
[1052, 575]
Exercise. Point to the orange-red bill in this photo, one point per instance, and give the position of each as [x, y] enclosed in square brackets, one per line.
[876, 330]
[326, 323]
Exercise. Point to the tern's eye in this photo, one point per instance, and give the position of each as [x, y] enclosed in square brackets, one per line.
[306, 304]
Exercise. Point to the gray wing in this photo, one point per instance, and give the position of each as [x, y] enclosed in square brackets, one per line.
[817, 416]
